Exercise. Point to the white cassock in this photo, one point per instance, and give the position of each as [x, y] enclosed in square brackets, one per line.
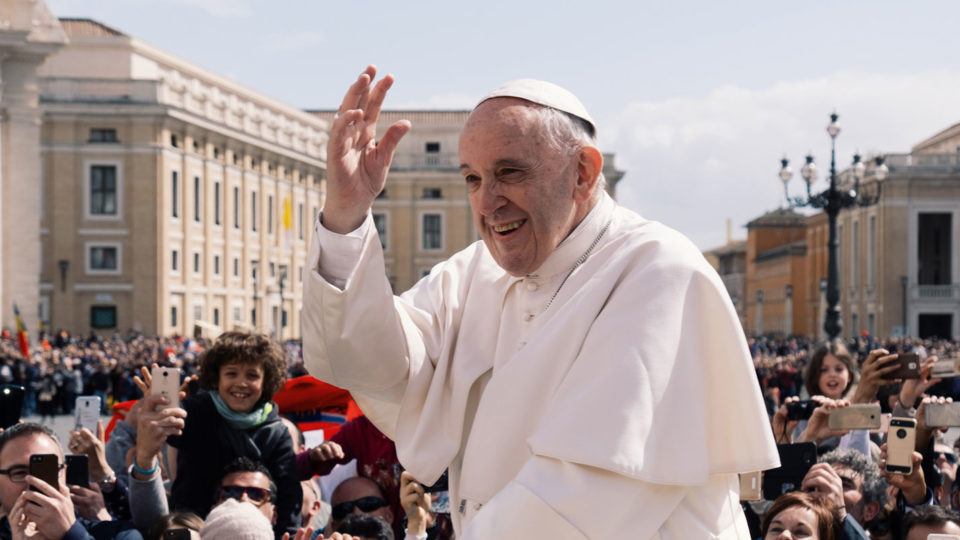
[623, 408]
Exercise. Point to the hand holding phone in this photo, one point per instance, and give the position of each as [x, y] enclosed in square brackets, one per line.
[165, 381]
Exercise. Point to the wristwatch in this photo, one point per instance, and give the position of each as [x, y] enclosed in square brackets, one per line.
[107, 484]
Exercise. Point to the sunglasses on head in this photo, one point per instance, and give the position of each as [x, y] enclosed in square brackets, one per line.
[365, 504]
[256, 495]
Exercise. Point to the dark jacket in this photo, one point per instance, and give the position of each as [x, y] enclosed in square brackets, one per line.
[209, 444]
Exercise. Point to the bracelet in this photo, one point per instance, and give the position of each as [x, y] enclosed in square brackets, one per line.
[145, 472]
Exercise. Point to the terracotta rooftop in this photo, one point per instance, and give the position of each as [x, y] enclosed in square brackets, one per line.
[781, 217]
[88, 28]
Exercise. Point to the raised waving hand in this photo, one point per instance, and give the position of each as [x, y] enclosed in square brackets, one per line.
[357, 163]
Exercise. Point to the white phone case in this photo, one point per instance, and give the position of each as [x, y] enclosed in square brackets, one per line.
[900, 443]
[87, 412]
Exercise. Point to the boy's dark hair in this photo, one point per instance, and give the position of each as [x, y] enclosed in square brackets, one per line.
[186, 520]
[24, 429]
[366, 526]
[244, 464]
[245, 348]
[930, 514]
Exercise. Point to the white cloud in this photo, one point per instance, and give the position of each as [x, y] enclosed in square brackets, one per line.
[294, 41]
[692, 163]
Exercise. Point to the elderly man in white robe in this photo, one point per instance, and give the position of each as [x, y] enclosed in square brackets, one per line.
[580, 371]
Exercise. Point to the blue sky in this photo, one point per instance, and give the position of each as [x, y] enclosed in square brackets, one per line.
[699, 100]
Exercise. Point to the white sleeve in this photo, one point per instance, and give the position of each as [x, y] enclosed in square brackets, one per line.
[560, 500]
[338, 254]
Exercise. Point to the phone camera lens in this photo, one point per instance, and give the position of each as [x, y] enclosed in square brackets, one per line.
[164, 373]
[901, 434]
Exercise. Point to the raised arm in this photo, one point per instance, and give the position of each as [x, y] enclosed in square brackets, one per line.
[357, 163]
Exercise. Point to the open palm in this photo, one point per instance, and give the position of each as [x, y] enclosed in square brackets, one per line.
[357, 164]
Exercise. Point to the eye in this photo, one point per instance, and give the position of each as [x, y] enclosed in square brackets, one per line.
[510, 174]
[472, 181]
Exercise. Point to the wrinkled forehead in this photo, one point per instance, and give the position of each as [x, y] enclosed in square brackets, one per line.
[501, 122]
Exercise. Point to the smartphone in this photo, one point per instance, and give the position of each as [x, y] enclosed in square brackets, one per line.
[78, 470]
[944, 369]
[795, 463]
[908, 367]
[87, 411]
[166, 381]
[801, 410]
[942, 414]
[900, 443]
[858, 416]
[11, 404]
[177, 534]
[750, 484]
[46, 467]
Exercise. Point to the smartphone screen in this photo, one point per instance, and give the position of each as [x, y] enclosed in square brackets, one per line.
[46, 467]
[88, 412]
[78, 470]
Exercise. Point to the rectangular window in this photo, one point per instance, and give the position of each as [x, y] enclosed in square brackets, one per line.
[432, 148]
[253, 211]
[380, 222]
[216, 265]
[196, 263]
[236, 207]
[103, 190]
[269, 214]
[253, 317]
[174, 260]
[216, 203]
[196, 199]
[198, 312]
[103, 316]
[871, 253]
[173, 316]
[432, 193]
[273, 270]
[103, 135]
[236, 267]
[237, 314]
[432, 232]
[175, 194]
[216, 316]
[174, 141]
[104, 258]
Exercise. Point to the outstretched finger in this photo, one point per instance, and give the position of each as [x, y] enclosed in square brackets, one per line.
[352, 98]
[388, 144]
[375, 102]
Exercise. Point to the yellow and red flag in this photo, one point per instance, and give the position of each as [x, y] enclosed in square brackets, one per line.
[22, 338]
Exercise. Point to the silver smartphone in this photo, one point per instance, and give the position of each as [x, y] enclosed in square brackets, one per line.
[166, 382]
[944, 369]
[857, 416]
[942, 414]
[87, 412]
[901, 439]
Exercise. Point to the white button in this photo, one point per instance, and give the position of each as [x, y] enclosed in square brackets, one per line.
[532, 285]
[529, 317]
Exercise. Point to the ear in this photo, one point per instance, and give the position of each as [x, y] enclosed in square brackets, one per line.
[589, 167]
[870, 511]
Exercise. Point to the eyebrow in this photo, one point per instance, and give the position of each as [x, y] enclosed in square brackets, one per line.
[506, 162]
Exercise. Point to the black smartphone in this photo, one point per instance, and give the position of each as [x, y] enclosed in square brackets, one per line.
[11, 404]
[801, 410]
[795, 463]
[908, 367]
[176, 534]
[442, 484]
[78, 470]
[46, 467]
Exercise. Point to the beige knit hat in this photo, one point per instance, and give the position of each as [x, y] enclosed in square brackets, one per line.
[235, 520]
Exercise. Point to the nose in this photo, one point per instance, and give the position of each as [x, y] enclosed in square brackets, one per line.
[785, 535]
[487, 198]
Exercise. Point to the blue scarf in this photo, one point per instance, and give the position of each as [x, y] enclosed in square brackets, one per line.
[241, 420]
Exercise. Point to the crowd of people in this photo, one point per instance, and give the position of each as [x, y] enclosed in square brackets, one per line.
[219, 462]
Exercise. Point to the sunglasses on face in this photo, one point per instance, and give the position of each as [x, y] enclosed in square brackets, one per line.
[950, 457]
[365, 504]
[258, 496]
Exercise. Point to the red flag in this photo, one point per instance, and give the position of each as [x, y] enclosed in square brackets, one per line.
[22, 338]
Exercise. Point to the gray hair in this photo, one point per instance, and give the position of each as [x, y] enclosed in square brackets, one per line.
[567, 134]
[874, 487]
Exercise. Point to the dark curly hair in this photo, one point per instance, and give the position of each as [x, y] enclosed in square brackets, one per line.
[245, 348]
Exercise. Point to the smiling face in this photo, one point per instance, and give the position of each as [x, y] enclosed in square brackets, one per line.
[240, 385]
[792, 523]
[526, 195]
[834, 377]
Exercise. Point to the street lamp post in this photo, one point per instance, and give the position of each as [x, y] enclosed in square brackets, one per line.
[832, 200]
[282, 322]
